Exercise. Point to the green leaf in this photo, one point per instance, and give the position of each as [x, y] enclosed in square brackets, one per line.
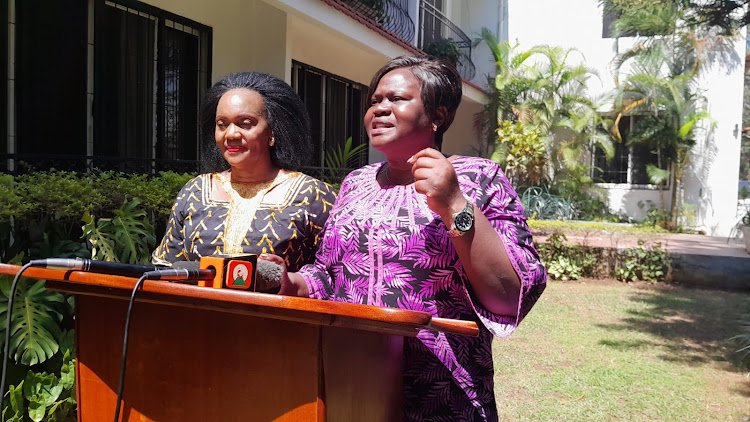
[34, 329]
[339, 159]
[656, 175]
[37, 410]
[128, 237]
[63, 410]
[17, 402]
[42, 388]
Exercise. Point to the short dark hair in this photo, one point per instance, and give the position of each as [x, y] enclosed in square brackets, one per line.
[284, 110]
[441, 86]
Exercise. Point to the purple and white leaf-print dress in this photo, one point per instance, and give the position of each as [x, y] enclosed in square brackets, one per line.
[383, 246]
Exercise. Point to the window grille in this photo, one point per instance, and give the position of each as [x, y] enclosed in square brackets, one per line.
[337, 108]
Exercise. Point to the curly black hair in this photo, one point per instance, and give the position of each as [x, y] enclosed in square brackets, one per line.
[284, 110]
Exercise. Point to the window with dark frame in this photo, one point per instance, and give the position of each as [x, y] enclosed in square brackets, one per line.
[50, 84]
[150, 69]
[4, 85]
[629, 163]
[337, 108]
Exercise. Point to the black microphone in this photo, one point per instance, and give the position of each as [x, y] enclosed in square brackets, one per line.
[102, 267]
[182, 271]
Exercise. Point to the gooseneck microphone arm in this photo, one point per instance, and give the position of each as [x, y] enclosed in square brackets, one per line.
[103, 267]
[181, 274]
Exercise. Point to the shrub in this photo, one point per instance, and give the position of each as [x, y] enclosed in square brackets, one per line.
[562, 268]
[648, 264]
[540, 203]
[48, 206]
[567, 262]
[522, 151]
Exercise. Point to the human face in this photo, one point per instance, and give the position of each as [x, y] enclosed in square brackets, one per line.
[242, 131]
[396, 121]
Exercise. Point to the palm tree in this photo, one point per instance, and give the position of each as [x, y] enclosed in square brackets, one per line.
[540, 88]
[661, 87]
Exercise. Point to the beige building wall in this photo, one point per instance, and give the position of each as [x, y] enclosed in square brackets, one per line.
[248, 35]
[265, 36]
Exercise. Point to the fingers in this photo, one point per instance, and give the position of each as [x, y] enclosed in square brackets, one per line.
[426, 153]
[273, 258]
[436, 178]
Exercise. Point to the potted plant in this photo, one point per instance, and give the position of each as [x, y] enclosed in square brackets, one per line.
[745, 228]
[446, 49]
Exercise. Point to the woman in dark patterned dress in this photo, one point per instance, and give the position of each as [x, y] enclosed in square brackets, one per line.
[251, 198]
[427, 232]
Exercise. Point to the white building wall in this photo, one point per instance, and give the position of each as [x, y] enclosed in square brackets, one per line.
[711, 180]
[710, 185]
[471, 17]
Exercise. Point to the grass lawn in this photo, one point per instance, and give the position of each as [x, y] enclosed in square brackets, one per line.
[601, 350]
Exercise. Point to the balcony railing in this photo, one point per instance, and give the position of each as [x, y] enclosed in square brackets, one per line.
[437, 29]
[393, 15]
[25, 163]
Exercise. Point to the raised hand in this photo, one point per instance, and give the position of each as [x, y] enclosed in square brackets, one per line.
[435, 178]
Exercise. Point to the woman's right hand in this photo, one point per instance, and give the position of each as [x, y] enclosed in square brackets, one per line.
[292, 284]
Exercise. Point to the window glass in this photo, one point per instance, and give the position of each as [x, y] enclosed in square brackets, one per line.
[337, 108]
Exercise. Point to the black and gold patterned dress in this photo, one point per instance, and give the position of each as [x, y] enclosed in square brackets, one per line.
[284, 216]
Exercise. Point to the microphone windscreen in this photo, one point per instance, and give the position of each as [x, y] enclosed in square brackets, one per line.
[267, 276]
[186, 265]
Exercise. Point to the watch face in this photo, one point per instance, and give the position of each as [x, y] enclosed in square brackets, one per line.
[464, 221]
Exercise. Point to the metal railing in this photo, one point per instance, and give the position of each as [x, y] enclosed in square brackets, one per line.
[26, 163]
[435, 27]
[392, 15]
[17, 164]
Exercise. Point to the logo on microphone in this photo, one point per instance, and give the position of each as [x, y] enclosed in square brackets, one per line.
[239, 275]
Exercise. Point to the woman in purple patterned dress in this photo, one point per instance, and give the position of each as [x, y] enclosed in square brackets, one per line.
[422, 231]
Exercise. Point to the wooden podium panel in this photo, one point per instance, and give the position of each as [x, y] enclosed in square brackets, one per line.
[201, 354]
[194, 365]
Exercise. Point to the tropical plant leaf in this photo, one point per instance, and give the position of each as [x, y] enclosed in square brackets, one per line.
[97, 234]
[338, 160]
[41, 390]
[16, 402]
[67, 371]
[62, 411]
[127, 237]
[656, 175]
[58, 248]
[35, 330]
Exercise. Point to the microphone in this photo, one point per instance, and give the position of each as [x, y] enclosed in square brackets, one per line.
[182, 271]
[242, 272]
[89, 265]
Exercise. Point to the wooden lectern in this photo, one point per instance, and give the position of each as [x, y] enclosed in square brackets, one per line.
[201, 354]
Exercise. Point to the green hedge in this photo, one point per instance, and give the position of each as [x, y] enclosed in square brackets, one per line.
[49, 206]
[68, 195]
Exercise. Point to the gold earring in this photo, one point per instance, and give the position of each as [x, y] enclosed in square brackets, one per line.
[271, 141]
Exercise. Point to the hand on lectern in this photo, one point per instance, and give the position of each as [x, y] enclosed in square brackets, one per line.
[292, 284]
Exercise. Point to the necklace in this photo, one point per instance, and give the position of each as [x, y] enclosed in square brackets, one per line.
[390, 182]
